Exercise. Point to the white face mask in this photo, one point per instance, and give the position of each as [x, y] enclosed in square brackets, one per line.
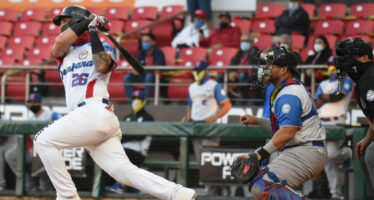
[318, 47]
[293, 5]
[284, 45]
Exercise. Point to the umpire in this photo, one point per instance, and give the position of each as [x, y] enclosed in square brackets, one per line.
[356, 58]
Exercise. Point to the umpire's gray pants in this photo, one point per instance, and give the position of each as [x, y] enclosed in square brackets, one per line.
[298, 164]
[369, 160]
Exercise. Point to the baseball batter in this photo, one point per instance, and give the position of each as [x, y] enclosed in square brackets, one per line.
[85, 65]
[297, 131]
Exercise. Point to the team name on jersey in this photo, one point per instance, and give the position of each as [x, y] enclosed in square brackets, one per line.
[76, 66]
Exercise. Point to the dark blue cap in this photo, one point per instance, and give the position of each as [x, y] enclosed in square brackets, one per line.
[138, 94]
[201, 65]
[225, 14]
[35, 97]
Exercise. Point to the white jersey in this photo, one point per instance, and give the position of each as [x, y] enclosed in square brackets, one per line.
[79, 76]
[294, 106]
[46, 115]
[338, 108]
[205, 98]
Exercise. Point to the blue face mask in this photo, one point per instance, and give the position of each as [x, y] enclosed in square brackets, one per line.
[293, 5]
[245, 46]
[146, 46]
[199, 23]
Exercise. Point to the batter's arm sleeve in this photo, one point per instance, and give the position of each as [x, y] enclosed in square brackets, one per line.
[288, 110]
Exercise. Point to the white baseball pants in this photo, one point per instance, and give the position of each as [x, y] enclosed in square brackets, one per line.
[97, 129]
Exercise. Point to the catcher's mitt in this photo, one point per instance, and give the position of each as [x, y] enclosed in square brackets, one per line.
[245, 169]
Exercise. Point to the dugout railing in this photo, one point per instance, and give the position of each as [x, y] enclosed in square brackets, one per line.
[184, 131]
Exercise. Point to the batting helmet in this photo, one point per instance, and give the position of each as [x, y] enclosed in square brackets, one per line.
[77, 14]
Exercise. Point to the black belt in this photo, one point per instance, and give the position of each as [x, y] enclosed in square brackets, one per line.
[106, 101]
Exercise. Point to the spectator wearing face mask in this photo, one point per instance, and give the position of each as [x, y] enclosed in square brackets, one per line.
[191, 35]
[149, 55]
[224, 36]
[294, 19]
[285, 41]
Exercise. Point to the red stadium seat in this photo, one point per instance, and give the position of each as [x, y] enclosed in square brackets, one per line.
[54, 12]
[6, 28]
[263, 26]
[39, 53]
[362, 10]
[27, 28]
[23, 41]
[144, 12]
[163, 33]
[171, 10]
[135, 24]
[3, 41]
[180, 92]
[8, 15]
[305, 53]
[331, 39]
[220, 57]
[132, 45]
[188, 56]
[117, 27]
[7, 61]
[16, 90]
[309, 8]
[269, 11]
[31, 61]
[33, 14]
[297, 42]
[53, 76]
[44, 41]
[16, 53]
[115, 86]
[263, 41]
[359, 27]
[332, 10]
[50, 29]
[243, 24]
[363, 37]
[117, 13]
[170, 54]
[96, 10]
[329, 27]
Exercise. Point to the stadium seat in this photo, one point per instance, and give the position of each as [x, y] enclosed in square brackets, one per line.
[309, 8]
[8, 15]
[54, 12]
[7, 61]
[171, 10]
[16, 90]
[132, 45]
[263, 41]
[243, 24]
[269, 11]
[6, 28]
[359, 27]
[115, 86]
[50, 29]
[163, 33]
[39, 53]
[220, 57]
[44, 41]
[331, 39]
[17, 53]
[305, 53]
[117, 13]
[135, 24]
[179, 93]
[27, 28]
[23, 41]
[96, 10]
[188, 56]
[362, 10]
[363, 37]
[33, 14]
[117, 27]
[144, 12]
[297, 42]
[263, 26]
[3, 41]
[170, 54]
[329, 27]
[332, 10]
[31, 61]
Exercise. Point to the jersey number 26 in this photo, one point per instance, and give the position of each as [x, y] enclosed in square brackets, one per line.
[80, 79]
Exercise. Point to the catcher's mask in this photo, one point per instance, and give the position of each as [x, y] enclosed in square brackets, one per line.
[77, 14]
[265, 60]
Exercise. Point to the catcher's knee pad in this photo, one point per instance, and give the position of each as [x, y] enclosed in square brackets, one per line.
[281, 192]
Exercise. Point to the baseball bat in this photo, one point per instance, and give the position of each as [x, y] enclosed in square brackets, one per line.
[129, 57]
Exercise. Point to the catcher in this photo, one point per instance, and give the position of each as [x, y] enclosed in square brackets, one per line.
[297, 133]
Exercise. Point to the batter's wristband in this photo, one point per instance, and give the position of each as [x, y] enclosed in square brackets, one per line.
[263, 153]
[96, 44]
[81, 27]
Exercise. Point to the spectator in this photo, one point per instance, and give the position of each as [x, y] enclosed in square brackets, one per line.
[333, 110]
[294, 19]
[207, 102]
[205, 5]
[192, 34]
[322, 54]
[136, 147]
[285, 40]
[225, 36]
[39, 182]
[243, 57]
[149, 55]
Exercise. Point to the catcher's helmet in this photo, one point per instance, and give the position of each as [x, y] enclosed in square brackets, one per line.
[77, 14]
